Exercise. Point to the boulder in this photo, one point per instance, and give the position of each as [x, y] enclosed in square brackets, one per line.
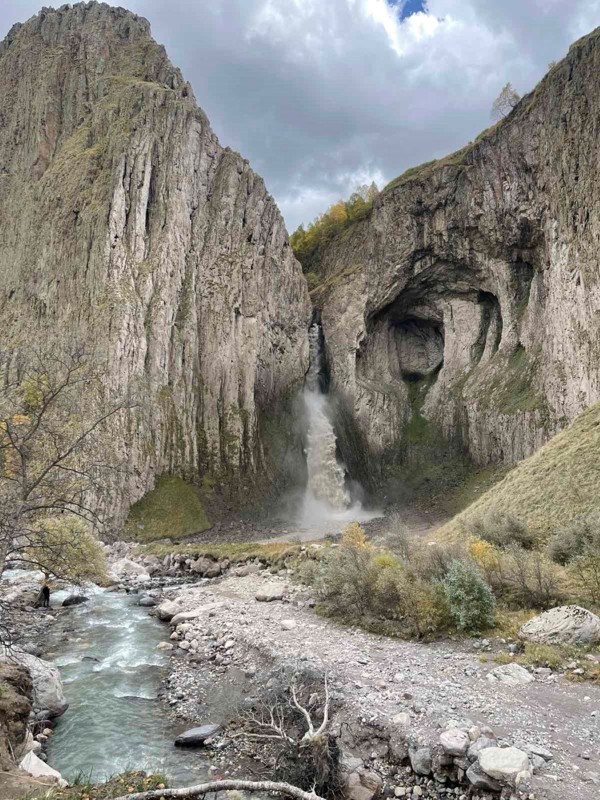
[126, 569]
[510, 675]
[38, 769]
[270, 592]
[503, 763]
[563, 625]
[146, 601]
[167, 609]
[213, 571]
[477, 746]
[74, 600]
[201, 565]
[48, 693]
[420, 760]
[455, 742]
[195, 737]
[479, 780]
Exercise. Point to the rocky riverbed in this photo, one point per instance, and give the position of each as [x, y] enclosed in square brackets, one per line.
[237, 635]
[411, 719]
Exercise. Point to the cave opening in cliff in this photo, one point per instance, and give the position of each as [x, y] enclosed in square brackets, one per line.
[419, 345]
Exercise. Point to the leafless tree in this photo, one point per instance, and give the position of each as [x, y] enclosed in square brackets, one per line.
[297, 718]
[53, 429]
[505, 102]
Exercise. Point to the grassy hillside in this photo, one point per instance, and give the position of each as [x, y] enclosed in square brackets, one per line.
[172, 509]
[556, 484]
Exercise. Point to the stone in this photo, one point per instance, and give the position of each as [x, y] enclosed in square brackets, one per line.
[402, 720]
[38, 769]
[363, 785]
[196, 737]
[563, 625]
[477, 746]
[74, 600]
[126, 569]
[289, 624]
[201, 565]
[511, 675]
[479, 780]
[503, 763]
[420, 760]
[455, 742]
[48, 695]
[146, 601]
[185, 645]
[270, 593]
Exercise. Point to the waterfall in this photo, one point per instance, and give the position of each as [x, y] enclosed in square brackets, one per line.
[326, 495]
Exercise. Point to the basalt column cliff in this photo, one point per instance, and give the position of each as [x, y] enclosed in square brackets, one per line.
[465, 309]
[126, 226]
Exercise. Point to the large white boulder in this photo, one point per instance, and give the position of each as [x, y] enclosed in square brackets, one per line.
[503, 763]
[511, 675]
[48, 692]
[563, 625]
[39, 769]
[126, 569]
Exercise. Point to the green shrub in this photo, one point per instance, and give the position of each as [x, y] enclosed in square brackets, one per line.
[502, 530]
[575, 539]
[469, 597]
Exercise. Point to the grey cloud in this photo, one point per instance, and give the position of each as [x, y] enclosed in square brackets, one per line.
[316, 97]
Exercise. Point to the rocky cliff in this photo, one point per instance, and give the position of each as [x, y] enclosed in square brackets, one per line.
[125, 225]
[465, 310]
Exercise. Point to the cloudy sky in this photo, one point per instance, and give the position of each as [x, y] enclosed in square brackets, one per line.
[322, 95]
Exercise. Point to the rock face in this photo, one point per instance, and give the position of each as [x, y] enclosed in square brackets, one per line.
[466, 307]
[139, 235]
[15, 705]
[563, 625]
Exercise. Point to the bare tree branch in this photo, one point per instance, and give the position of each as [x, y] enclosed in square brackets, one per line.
[272, 787]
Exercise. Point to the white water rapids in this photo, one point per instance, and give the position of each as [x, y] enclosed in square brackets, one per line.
[326, 498]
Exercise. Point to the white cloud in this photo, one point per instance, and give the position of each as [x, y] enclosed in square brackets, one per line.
[317, 93]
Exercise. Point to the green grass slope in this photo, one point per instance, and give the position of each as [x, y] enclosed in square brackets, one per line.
[172, 509]
[553, 486]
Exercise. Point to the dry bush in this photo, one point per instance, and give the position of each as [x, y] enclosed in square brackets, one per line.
[585, 572]
[577, 538]
[522, 578]
[359, 582]
[502, 530]
[432, 561]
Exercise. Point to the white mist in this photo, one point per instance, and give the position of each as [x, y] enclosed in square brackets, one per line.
[326, 498]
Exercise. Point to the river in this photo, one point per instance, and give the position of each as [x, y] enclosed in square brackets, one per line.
[111, 669]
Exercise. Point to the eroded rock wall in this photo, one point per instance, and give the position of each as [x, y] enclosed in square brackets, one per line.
[125, 225]
[466, 308]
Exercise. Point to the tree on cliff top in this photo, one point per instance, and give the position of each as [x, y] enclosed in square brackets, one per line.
[53, 428]
[308, 242]
[505, 102]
